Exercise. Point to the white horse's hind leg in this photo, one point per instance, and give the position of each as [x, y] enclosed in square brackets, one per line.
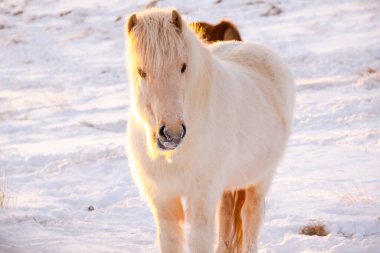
[253, 213]
[169, 220]
[225, 222]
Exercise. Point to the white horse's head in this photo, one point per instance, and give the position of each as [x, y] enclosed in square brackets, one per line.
[158, 69]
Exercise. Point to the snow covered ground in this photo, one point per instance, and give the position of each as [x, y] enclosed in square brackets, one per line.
[64, 104]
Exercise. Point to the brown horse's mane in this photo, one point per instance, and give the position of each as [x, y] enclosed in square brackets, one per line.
[223, 31]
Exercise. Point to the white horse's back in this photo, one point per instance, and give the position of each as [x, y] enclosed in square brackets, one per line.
[255, 106]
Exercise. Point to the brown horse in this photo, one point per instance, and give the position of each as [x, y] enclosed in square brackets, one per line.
[225, 30]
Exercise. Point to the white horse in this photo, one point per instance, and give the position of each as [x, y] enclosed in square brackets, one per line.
[208, 123]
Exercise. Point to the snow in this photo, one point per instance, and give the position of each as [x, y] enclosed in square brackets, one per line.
[64, 104]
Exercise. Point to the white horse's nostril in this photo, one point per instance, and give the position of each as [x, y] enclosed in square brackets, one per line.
[183, 131]
[162, 132]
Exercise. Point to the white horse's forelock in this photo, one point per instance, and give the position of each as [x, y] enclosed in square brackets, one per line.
[156, 40]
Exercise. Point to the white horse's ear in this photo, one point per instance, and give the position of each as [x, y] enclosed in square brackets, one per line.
[177, 20]
[132, 21]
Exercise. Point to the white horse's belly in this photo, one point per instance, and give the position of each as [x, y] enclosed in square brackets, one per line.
[243, 177]
[257, 158]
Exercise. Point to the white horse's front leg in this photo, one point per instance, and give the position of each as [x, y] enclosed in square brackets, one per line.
[202, 209]
[169, 220]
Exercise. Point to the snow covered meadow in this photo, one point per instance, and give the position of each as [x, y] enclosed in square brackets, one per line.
[64, 179]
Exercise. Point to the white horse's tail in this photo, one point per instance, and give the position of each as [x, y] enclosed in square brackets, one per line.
[237, 226]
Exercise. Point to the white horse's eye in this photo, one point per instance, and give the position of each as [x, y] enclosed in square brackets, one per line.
[141, 73]
[183, 69]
